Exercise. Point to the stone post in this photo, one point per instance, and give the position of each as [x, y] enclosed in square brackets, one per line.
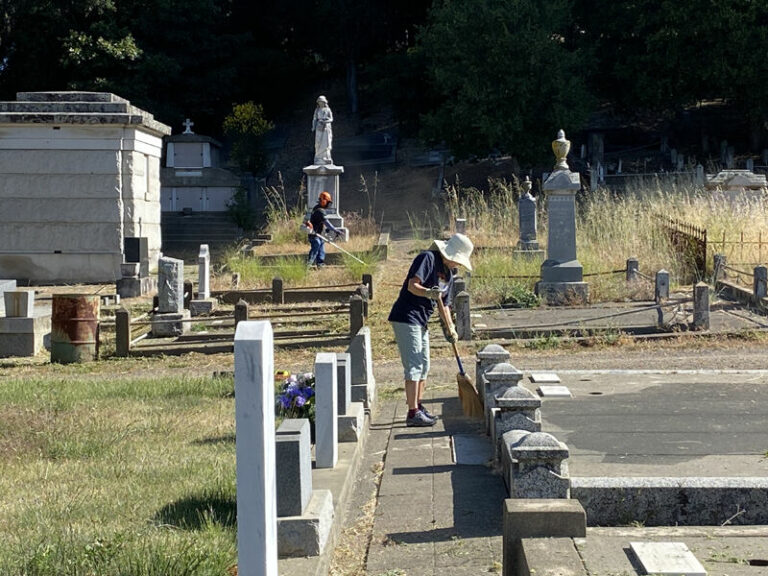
[759, 282]
[516, 409]
[203, 273]
[534, 465]
[344, 381]
[463, 317]
[189, 289]
[500, 377]
[241, 312]
[326, 424]
[700, 178]
[351, 415]
[460, 225]
[356, 314]
[486, 358]
[562, 275]
[701, 306]
[720, 262]
[633, 266]
[122, 333]
[255, 449]
[459, 285]
[368, 281]
[235, 284]
[526, 207]
[661, 291]
[362, 291]
[278, 294]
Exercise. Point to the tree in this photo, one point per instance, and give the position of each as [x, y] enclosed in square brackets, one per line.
[245, 127]
[507, 74]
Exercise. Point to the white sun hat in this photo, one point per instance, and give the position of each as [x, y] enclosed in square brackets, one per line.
[458, 249]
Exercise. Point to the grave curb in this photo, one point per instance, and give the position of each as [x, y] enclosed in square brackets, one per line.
[340, 481]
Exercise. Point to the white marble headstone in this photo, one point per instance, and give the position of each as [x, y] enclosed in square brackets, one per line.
[255, 449]
[326, 411]
[667, 559]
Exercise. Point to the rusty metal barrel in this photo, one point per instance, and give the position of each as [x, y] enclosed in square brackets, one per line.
[75, 328]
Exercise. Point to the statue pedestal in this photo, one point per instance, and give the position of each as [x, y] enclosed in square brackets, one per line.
[325, 178]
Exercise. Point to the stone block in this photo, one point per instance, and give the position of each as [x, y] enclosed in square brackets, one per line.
[135, 287]
[667, 559]
[563, 293]
[170, 324]
[202, 307]
[352, 423]
[21, 337]
[19, 303]
[544, 557]
[543, 518]
[294, 466]
[307, 534]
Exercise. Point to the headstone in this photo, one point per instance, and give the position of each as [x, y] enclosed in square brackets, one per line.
[700, 177]
[526, 207]
[344, 381]
[255, 449]
[561, 273]
[552, 391]
[661, 289]
[463, 316]
[170, 285]
[461, 225]
[294, 466]
[667, 559]
[759, 284]
[363, 382]
[633, 267]
[122, 333]
[204, 272]
[171, 315]
[351, 415]
[356, 314]
[750, 164]
[19, 303]
[203, 304]
[730, 153]
[545, 378]
[326, 424]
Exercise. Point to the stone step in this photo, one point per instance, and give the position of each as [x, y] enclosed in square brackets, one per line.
[68, 97]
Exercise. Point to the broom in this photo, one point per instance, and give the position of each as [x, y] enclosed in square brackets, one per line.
[470, 400]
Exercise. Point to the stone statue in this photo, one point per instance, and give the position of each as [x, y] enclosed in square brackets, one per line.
[561, 147]
[321, 126]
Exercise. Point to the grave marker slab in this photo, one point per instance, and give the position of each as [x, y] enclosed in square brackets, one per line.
[545, 378]
[326, 423]
[551, 391]
[667, 559]
[255, 449]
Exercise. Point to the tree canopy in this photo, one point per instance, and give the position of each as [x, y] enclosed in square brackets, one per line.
[478, 75]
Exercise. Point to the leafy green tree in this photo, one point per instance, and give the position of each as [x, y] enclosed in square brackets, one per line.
[245, 127]
[507, 73]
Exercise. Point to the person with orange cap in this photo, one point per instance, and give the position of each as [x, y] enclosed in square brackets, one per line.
[430, 277]
[317, 224]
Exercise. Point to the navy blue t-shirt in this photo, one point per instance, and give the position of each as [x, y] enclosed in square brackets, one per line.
[412, 309]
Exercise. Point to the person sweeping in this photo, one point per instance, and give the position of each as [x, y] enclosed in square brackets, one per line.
[317, 224]
[430, 277]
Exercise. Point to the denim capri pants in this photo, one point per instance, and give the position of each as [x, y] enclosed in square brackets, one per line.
[413, 344]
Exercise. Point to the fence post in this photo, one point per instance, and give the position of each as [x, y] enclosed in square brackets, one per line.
[459, 286]
[362, 291]
[368, 281]
[661, 291]
[463, 318]
[278, 294]
[241, 312]
[760, 283]
[122, 333]
[720, 262]
[701, 306]
[632, 268]
[235, 280]
[356, 317]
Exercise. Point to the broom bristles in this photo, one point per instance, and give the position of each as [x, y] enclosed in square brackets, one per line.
[470, 400]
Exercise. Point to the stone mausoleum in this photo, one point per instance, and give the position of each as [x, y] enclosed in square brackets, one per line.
[79, 172]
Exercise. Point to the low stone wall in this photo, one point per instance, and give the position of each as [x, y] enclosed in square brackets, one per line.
[691, 501]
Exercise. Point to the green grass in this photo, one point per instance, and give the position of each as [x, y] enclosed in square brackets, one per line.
[117, 476]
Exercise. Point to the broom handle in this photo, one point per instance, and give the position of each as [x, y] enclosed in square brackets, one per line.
[441, 308]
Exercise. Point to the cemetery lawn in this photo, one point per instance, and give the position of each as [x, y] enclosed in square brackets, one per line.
[109, 475]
